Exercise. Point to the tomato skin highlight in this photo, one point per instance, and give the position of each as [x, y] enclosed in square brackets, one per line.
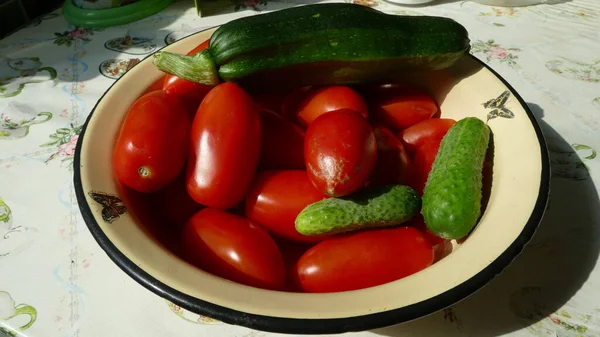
[275, 200]
[152, 144]
[364, 259]
[393, 164]
[321, 100]
[233, 247]
[282, 143]
[340, 152]
[399, 107]
[191, 93]
[225, 147]
[433, 129]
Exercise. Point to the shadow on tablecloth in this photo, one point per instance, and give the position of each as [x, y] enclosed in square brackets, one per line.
[543, 290]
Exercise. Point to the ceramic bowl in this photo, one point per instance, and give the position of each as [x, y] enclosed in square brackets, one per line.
[517, 201]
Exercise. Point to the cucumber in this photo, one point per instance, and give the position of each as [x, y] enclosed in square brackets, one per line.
[380, 206]
[321, 44]
[453, 191]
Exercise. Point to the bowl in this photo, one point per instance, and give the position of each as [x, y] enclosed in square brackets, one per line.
[517, 200]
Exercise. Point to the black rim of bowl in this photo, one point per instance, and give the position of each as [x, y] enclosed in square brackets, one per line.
[330, 325]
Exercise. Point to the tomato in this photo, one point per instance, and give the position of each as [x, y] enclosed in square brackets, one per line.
[340, 152]
[364, 259]
[225, 147]
[423, 160]
[282, 143]
[152, 144]
[399, 107]
[189, 92]
[277, 197]
[392, 165]
[419, 223]
[325, 99]
[232, 247]
[173, 203]
[433, 129]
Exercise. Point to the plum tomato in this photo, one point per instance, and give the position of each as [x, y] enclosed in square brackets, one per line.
[433, 129]
[363, 259]
[233, 247]
[340, 152]
[277, 197]
[393, 165]
[422, 163]
[399, 107]
[225, 147]
[152, 145]
[189, 92]
[330, 98]
[282, 143]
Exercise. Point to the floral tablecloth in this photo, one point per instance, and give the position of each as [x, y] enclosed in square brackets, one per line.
[56, 281]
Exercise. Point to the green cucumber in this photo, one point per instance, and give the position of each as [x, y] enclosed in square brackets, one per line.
[380, 206]
[453, 191]
[321, 44]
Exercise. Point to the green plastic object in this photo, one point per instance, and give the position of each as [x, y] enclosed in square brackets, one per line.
[103, 18]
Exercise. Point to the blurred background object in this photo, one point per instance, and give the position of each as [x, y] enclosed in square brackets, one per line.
[510, 3]
[18, 13]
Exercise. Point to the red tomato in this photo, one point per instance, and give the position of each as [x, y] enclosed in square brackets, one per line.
[340, 151]
[419, 223]
[232, 247]
[152, 144]
[277, 197]
[225, 147]
[364, 259]
[433, 129]
[393, 163]
[190, 93]
[173, 203]
[282, 143]
[325, 99]
[423, 160]
[399, 107]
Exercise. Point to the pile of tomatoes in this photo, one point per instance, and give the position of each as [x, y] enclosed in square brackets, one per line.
[225, 172]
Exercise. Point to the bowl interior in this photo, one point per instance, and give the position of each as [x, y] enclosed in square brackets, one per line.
[466, 89]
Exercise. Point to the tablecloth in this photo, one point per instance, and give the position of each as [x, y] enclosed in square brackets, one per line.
[56, 281]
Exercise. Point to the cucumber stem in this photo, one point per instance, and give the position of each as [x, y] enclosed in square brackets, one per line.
[200, 68]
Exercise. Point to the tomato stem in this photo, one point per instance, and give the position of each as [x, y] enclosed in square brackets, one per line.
[144, 172]
[200, 68]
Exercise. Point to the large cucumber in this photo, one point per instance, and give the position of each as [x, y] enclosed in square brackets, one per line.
[321, 44]
[453, 191]
[380, 206]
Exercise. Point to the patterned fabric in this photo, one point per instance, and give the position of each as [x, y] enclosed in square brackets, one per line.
[56, 281]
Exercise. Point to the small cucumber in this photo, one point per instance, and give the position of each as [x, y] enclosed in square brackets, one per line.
[380, 206]
[453, 191]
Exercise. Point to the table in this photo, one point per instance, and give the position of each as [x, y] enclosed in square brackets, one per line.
[56, 281]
